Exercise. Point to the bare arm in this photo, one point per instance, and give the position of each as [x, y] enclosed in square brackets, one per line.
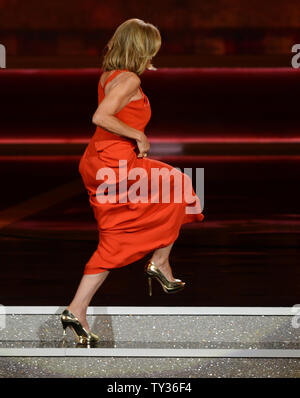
[115, 99]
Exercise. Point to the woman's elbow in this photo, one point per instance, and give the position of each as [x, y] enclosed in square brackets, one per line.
[98, 120]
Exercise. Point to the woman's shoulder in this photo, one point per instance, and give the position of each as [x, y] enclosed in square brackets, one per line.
[122, 74]
[124, 80]
[129, 75]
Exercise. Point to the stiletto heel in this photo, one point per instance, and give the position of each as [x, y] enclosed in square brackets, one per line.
[82, 336]
[150, 285]
[168, 286]
[64, 330]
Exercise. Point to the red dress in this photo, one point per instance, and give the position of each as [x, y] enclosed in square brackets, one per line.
[128, 230]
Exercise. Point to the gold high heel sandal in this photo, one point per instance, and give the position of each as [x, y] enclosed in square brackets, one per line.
[82, 336]
[169, 287]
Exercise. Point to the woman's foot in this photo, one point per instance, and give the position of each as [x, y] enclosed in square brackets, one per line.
[81, 316]
[164, 267]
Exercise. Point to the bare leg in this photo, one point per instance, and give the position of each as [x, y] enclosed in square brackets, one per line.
[161, 259]
[88, 286]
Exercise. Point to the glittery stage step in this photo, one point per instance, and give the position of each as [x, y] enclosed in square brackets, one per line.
[31, 338]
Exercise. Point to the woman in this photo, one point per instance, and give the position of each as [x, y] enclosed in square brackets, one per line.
[128, 229]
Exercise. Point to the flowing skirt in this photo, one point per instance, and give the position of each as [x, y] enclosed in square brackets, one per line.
[139, 203]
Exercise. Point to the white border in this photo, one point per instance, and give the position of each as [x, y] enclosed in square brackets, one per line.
[149, 352]
[124, 310]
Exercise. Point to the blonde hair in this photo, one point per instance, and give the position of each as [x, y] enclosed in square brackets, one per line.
[133, 44]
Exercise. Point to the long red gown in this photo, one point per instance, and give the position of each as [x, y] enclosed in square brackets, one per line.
[127, 230]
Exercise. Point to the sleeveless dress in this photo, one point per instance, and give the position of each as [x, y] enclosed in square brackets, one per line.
[132, 222]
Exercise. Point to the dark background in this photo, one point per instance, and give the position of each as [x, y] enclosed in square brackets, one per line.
[73, 33]
[224, 97]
